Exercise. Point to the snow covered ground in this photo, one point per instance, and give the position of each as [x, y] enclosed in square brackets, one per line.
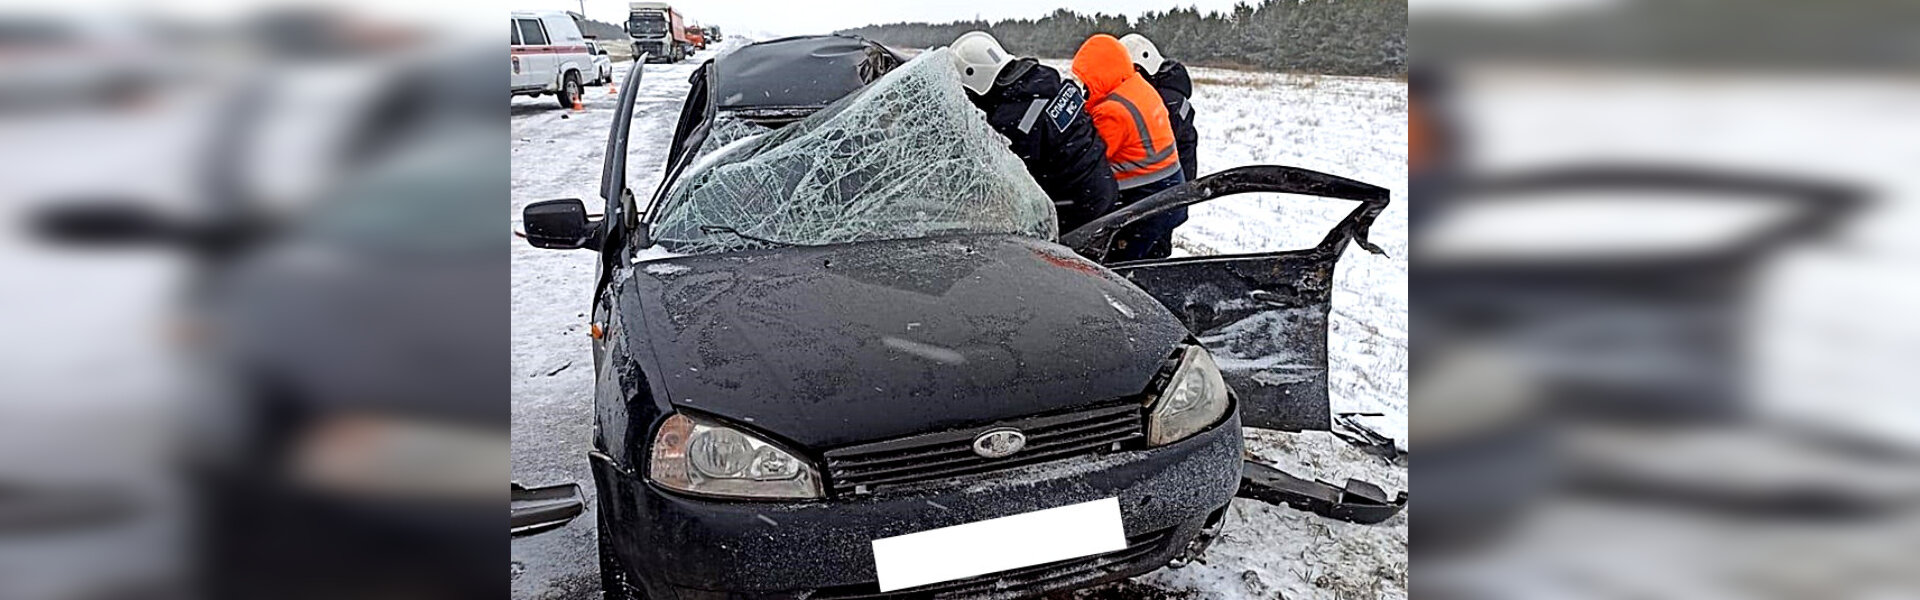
[1353, 127]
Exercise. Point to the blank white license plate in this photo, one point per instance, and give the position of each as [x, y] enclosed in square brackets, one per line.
[995, 545]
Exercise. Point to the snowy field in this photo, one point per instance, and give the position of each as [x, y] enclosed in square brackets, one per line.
[1353, 127]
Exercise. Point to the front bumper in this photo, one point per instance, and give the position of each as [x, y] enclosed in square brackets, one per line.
[654, 49]
[682, 548]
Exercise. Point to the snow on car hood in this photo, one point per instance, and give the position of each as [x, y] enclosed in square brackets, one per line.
[905, 157]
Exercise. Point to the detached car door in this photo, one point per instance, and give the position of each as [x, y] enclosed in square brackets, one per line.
[1263, 316]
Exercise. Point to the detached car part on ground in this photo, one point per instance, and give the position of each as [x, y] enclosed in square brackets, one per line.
[843, 317]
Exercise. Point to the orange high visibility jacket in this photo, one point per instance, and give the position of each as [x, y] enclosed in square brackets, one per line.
[1126, 111]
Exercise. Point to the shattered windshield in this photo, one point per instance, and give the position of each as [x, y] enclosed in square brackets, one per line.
[907, 156]
[725, 130]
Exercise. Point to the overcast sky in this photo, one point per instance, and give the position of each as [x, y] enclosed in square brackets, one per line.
[782, 17]
[793, 17]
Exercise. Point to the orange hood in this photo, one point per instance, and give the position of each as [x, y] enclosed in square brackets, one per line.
[1101, 64]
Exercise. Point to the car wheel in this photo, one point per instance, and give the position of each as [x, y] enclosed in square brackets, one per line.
[569, 89]
[613, 575]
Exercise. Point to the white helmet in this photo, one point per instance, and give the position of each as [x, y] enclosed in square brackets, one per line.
[979, 59]
[1142, 51]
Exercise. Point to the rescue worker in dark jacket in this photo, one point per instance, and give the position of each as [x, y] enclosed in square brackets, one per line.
[1132, 120]
[1169, 77]
[1044, 119]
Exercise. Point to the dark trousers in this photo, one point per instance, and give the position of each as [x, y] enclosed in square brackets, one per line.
[1151, 237]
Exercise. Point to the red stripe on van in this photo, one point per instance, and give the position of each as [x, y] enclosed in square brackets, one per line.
[549, 49]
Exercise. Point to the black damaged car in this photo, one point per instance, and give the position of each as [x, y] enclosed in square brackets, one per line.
[846, 315]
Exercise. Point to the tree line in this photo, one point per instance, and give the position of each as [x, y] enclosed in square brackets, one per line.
[1335, 37]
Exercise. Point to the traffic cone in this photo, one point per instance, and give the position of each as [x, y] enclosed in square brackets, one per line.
[576, 103]
[610, 90]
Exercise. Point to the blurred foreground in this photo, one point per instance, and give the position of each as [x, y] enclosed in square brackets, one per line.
[1664, 275]
[255, 302]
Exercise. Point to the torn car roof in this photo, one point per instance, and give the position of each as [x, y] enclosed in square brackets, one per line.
[798, 72]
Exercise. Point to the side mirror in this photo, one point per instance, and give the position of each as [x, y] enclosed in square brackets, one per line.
[111, 222]
[562, 225]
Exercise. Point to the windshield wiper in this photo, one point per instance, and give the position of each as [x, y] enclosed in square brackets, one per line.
[736, 233]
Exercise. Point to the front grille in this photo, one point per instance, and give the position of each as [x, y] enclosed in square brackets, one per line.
[1024, 582]
[871, 467]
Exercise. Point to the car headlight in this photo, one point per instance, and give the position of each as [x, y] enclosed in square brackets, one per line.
[1194, 399]
[703, 457]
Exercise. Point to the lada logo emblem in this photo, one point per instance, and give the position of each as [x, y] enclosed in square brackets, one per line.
[999, 443]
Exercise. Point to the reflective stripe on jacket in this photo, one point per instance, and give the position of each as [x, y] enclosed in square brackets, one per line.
[1127, 112]
[1176, 88]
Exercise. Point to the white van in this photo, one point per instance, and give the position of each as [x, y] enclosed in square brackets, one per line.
[549, 56]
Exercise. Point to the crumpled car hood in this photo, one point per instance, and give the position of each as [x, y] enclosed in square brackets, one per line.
[833, 345]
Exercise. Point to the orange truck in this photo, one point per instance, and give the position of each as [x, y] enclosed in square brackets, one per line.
[698, 36]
